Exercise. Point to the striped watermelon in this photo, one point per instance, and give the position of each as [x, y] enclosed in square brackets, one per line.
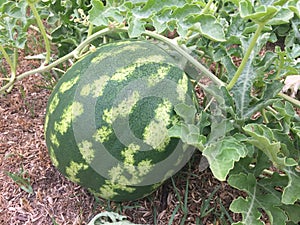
[107, 120]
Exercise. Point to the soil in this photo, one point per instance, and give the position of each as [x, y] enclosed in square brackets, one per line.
[55, 200]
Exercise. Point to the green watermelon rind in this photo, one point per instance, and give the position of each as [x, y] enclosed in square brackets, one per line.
[95, 96]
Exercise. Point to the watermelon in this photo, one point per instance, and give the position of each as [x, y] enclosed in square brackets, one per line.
[107, 120]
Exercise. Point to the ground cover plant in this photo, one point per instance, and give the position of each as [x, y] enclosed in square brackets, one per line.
[247, 128]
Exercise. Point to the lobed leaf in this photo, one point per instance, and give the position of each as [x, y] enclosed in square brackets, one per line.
[222, 155]
[260, 14]
[186, 112]
[208, 26]
[188, 133]
[261, 196]
[102, 16]
[283, 16]
[263, 139]
[291, 192]
[14, 23]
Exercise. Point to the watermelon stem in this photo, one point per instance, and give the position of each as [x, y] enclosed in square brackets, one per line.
[76, 54]
[173, 44]
[190, 58]
[42, 30]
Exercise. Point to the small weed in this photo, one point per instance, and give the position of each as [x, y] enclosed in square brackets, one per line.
[206, 209]
[29, 106]
[22, 180]
[183, 203]
[53, 221]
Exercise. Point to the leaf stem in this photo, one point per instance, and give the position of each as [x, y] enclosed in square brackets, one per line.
[191, 59]
[7, 58]
[207, 7]
[12, 65]
[246, 56]
[43, 31]
[89, 33]
[76, 52]
[72, 54]
[38, 30]
[290, 99]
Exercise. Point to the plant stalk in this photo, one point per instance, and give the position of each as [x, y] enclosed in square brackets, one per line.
[295, 102]
[76, 52]
[43, 31]
[7, 58]
[12, 65]
[191, 59]
[207, 7]
[246, 56]
[72, 54]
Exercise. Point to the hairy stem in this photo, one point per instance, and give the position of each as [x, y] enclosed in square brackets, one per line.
[72, 54]
[76, 53]
[89, 33]
[295, 102]
[191, 59]
[12, 65]
[43, 31]
[7, 58]
[207, 7]
[38, 30]
[246, 56]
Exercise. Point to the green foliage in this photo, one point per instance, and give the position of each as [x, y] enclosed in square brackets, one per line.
[70, 27]
[13, 23]
[22, 179]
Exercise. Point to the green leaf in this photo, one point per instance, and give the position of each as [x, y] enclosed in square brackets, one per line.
[161, 21]
[295, 7]
[255, 162]
[22, 181]
[222, 100]
[263, 139]
[187, 112]
[259, 14]
[219, 127]
[136, 27]
[293, 212]
[14, 23]
[95, 13]
[254, 69]
[208, 26]
[188, 133]
[204, 122]
[268, 97]
[286, 110]
[222, 155]
[242, 90]
[261, 196]
[229, 66]
[101, 15]
[291, 192]
[236, 29]
[152, 7]
[180, 16]
[282, 17]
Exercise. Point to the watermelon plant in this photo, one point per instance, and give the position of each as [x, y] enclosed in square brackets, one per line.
[246, 127]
